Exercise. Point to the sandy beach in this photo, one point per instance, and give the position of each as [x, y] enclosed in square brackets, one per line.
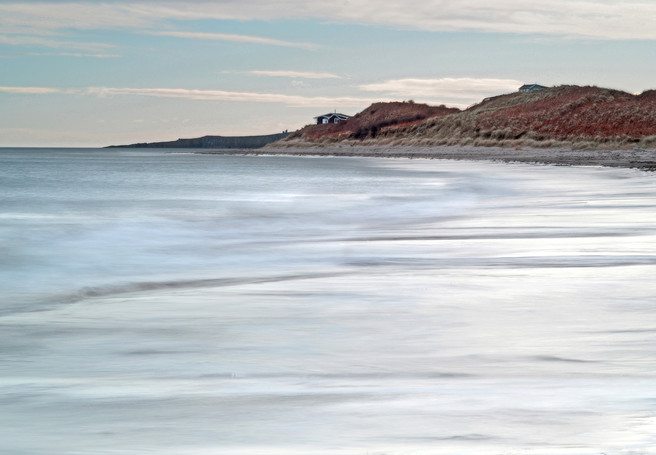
[636, 159]
[176, 303]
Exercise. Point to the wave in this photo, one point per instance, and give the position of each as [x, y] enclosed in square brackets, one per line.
[128, 288]
[509, 262]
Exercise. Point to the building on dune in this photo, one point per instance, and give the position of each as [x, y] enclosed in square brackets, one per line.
[531, 88]
[332, 117]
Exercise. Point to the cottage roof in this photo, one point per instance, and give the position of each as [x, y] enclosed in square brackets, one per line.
[334, 114]
[531, 86]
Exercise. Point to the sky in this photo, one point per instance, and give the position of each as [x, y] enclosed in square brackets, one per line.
[94, 73]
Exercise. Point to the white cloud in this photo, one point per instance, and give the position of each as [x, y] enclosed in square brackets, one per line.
[46, 15]
[51, 42]
[459, 91]
[30, 90]
[295, 74]
[236, 38]
[205, 95]
[606, 19]
[222, 95]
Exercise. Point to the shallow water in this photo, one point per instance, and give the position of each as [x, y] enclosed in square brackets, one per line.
[170, 303]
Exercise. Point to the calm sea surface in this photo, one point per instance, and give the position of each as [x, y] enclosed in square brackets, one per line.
[184, 304]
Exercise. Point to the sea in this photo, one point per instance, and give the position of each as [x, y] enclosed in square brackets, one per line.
[180, 303]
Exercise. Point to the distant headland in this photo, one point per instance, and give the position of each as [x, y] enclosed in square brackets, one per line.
[208, 142]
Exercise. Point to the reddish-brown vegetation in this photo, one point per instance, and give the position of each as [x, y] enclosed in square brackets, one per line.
[571, 113]
[566, 115]
[377, 118]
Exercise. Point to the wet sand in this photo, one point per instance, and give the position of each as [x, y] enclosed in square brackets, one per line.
[636, 158]
[171, 303]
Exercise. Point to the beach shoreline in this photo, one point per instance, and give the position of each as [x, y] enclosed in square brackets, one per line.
[642, 159]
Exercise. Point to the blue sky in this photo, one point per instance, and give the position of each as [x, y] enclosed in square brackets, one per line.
[95, 73]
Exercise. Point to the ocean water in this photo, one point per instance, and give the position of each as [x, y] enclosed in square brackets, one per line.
[188, 304]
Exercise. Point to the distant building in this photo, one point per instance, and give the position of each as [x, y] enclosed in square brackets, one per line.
[333, 117]
[530, 88]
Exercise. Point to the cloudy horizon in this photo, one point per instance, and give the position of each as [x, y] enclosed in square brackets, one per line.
[90, 74]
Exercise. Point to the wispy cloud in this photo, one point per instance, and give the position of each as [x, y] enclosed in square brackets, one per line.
[295, 74]
[447, 90]
[604, 19]
[31, 90]
[453, 91]
[222, 95]
[52, 42]
[49, 15]
[236, 38]
[72, 54]
[204, 95]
